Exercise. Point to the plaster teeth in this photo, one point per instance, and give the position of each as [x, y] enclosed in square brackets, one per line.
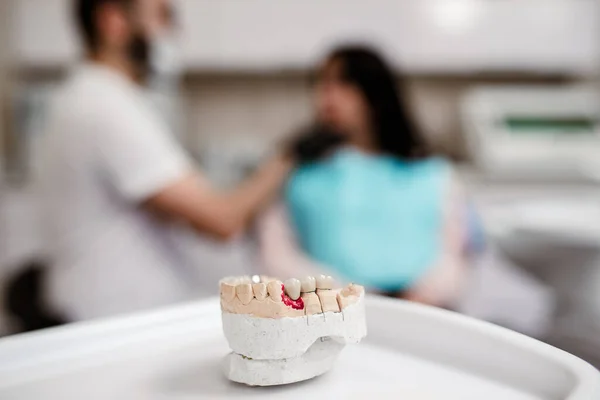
[227, 291]
[240, 296]
[275, 290]
[260, 291]
[329, 301]
[349, 295]
[324, 282]
[352, 290]
[292, 288]
[312, 304]
[244, 293]
[342, 301]
[308, 284]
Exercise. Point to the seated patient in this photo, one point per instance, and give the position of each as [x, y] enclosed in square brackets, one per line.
[377, 210]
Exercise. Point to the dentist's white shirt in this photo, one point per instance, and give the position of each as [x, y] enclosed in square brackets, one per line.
[107, 151]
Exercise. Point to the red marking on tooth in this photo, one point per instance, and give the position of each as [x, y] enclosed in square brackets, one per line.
[287, 300]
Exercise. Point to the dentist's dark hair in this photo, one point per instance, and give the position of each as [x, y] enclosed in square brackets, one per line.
[86, 14]
[396, 133]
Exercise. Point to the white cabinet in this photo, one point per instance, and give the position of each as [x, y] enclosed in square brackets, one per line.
[421, 36]
[43, 33]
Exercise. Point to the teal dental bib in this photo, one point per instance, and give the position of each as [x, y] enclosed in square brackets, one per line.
[375, 220]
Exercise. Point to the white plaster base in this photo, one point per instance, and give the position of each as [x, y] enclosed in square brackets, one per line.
[269, 351]
[319, 359]
[285, 338]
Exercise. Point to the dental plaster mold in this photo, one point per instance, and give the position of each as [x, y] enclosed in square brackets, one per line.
[285, 332]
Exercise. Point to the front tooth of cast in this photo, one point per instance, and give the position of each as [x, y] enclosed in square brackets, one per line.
[308, 284]
[244, 292]
[312, 304]
[329, 301]
[353, 290]
[227, 291]
[324, 282]
[275, 291]
[260, 291]
[349, 295]
[292, 288]
[342, 300]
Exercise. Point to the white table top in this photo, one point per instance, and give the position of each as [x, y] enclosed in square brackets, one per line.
[412, 351]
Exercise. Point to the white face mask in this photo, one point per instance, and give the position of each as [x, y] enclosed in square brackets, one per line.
[163, 84]
[165, 59]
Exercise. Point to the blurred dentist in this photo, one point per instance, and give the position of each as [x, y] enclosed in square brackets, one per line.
[113, 177]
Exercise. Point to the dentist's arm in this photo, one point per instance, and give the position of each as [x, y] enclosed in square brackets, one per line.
[221, 214]
[225, 214]
[146, 167]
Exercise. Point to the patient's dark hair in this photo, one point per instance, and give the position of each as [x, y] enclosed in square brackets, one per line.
[86, 12]
[395, 132]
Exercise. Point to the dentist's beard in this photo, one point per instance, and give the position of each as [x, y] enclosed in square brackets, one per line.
[139, 54]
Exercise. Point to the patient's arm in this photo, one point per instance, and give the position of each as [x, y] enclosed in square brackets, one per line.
[443, 284]
[280, 251]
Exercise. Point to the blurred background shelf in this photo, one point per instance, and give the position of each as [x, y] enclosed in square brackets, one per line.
[422, 37]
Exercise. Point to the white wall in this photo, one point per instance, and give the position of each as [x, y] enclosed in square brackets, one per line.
[4, 82]
[427, 35]
[422, 35]
[5, 13]
[43, 32]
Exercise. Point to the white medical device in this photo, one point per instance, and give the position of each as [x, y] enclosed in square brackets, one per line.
[539, 132]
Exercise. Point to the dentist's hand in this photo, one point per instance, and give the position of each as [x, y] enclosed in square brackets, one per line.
[313, 143]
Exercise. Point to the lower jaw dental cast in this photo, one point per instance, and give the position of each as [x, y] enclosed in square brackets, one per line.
[286, 332]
